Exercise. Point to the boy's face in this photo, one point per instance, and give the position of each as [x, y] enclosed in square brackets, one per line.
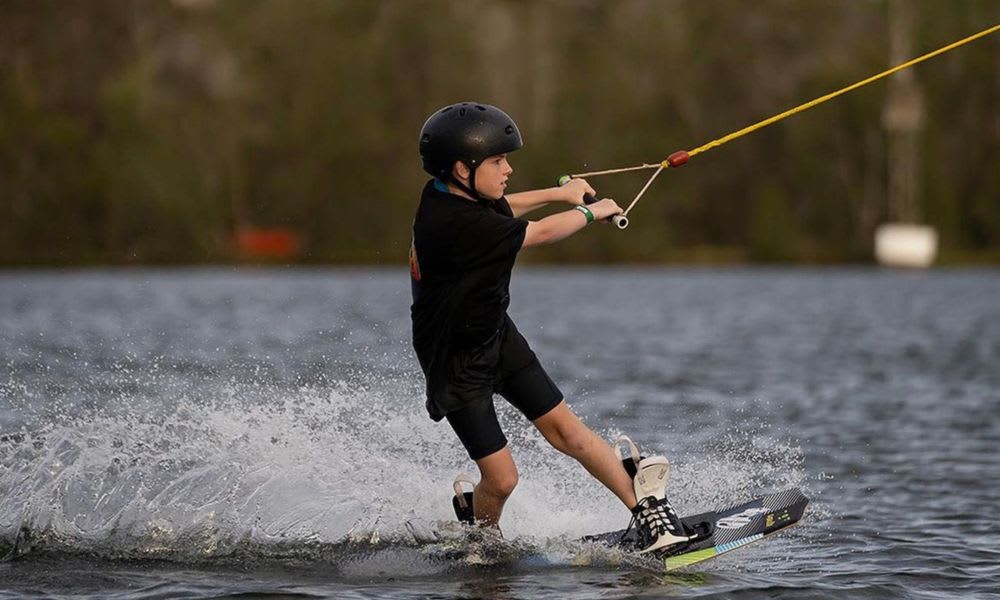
[491, 176]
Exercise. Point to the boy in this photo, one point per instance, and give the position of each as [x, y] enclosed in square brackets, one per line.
[466, 236]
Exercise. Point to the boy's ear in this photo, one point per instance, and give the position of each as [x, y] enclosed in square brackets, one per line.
[461, 170]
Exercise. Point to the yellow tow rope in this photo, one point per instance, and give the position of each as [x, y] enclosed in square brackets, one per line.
[681, 157]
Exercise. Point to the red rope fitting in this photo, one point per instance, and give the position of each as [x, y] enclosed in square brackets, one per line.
[678, 159]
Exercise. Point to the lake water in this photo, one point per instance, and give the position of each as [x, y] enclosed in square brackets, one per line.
[240, 432]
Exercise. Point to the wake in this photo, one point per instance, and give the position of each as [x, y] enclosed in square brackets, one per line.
[344, 474]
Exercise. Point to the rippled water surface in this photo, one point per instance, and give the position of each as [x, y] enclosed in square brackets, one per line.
[207, 433]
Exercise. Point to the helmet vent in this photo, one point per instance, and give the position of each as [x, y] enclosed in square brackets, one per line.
[509, 129]
[461, 112]
[482, 108]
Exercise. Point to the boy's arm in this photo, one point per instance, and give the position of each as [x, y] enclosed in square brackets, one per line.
[522, 203]
[562, 225]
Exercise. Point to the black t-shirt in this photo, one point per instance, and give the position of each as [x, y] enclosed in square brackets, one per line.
[460, 263]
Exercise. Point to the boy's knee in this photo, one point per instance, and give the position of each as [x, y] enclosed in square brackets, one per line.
[503, 484]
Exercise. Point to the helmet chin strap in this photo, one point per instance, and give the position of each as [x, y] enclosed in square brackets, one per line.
[471, 188]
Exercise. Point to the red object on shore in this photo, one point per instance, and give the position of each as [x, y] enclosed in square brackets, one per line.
[678, 158]
[266, 243]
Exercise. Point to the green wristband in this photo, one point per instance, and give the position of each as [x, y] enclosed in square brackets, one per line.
[586, 212]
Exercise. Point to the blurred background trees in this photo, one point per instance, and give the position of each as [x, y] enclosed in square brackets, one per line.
[135, 131]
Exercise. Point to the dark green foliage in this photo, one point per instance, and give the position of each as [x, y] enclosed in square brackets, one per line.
[772, 227]
[141, 131]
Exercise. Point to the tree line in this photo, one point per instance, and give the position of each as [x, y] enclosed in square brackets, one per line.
[144, 131]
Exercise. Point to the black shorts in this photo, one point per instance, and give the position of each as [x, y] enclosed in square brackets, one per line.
[521, 380]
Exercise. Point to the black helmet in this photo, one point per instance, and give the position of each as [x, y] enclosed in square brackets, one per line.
[467, 132]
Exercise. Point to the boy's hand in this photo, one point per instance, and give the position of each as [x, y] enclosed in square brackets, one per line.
[604, 209]
[574, 190]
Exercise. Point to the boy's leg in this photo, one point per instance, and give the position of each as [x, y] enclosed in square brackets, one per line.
[526, 385]
[498, 477]
[564, 430]
[477, 427]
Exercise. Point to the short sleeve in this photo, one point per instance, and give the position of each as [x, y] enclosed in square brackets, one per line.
[488, 237]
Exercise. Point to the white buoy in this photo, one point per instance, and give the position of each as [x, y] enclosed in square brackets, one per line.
[905, 245]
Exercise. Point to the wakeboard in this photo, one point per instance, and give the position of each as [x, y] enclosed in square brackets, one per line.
[719, 531]
[712, 533]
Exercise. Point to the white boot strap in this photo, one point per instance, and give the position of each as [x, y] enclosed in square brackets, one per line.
[457, 486]
[632, 448]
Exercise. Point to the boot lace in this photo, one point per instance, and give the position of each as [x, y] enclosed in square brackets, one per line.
[654, 518]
